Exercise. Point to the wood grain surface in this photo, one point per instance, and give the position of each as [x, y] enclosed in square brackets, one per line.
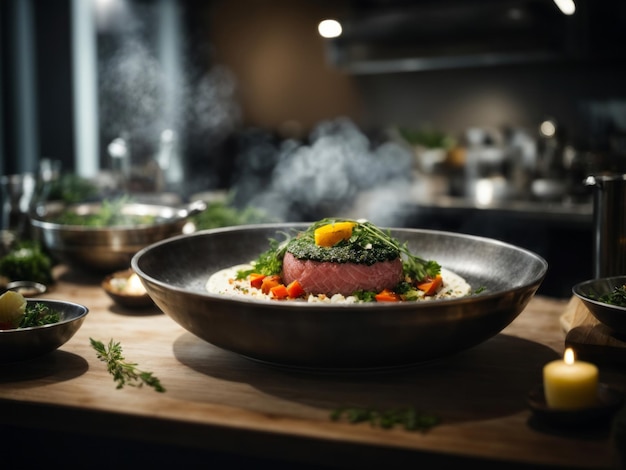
[218, 401]
[591, 339]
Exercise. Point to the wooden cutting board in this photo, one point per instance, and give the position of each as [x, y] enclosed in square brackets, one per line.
[592, 340]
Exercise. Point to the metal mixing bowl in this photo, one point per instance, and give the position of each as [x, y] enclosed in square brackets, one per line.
[107, 249]
[590, 291]
[339, 336]
[27, 343]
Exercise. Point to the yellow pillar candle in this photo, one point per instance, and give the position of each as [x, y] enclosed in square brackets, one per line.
[570, 384]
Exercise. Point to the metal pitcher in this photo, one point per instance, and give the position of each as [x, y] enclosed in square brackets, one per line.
[609, 219]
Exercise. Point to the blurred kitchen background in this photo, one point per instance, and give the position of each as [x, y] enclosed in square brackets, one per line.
[478, 116]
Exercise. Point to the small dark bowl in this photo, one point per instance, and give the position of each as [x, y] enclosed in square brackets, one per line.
[27, 288]
[591, 290]
[123, 297]
[27, 343]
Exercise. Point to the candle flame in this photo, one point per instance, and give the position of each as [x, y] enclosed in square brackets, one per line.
[569, 356]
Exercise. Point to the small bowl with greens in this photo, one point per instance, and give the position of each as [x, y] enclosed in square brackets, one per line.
[606, 300]
[103, 236]
[30, 328]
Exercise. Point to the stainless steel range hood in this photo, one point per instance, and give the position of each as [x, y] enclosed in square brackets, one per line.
[395, 35]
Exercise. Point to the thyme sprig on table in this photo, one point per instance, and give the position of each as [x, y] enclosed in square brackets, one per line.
[409, 418]
[123, 372]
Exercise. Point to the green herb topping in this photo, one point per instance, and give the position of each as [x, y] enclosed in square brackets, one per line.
[367, 245]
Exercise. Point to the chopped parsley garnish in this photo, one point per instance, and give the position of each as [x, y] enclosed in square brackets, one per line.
[616, 297]
[38, 315]
[365, 295]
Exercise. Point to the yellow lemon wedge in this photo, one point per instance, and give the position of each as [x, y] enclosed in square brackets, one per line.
[330, 234]
[12, 309]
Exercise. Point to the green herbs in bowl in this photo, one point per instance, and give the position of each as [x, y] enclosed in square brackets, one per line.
[606, 300]
[103, 236]
[35, 327]
[109, 213]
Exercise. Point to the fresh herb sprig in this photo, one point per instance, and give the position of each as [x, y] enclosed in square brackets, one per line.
[615, 297]
[409, 418]
[38, 315]
[270, 261]
[123, 372]
[414, 267]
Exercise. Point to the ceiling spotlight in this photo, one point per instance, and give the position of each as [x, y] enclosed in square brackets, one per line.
[567, 7]
[329, 29]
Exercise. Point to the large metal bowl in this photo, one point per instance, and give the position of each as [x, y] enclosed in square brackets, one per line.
[27, 343]
[332, 336]
[106, 249]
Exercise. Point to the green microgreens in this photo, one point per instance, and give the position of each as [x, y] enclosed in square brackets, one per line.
[615, 297]
[38, 315]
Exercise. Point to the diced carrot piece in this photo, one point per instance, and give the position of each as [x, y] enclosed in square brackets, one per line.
[386, 295]
[295, 289]
[279, 291]
[256, 280]
[430, 286]
[269, 282]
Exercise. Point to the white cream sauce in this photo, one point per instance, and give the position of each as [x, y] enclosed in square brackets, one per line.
[225, 282]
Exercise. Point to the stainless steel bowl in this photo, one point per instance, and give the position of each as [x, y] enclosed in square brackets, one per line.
[332, 336]
[27, 343]
[107, 249]
[613, 316]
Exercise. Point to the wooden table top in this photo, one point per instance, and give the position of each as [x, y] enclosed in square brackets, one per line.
[219, 401]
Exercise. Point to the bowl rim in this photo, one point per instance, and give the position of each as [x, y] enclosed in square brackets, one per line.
[84, 310]
[179, 215]
[577, 290]
[288, 304]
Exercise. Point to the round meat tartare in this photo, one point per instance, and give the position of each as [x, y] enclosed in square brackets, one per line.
[339, 259]
[327, 277]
